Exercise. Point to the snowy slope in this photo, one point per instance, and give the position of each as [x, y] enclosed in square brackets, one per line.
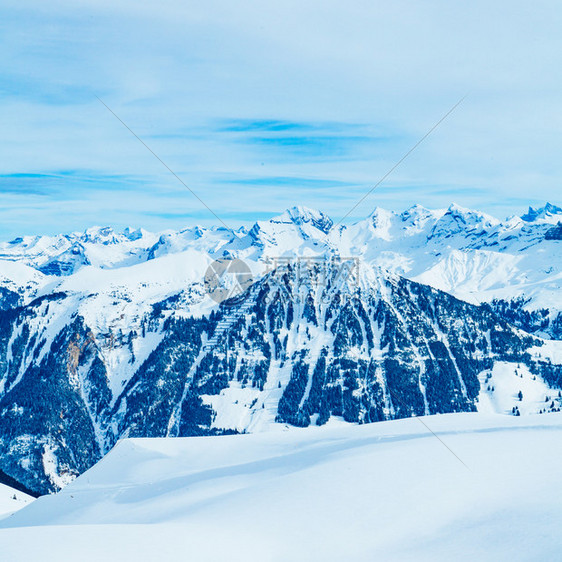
[469, 254]
[12, 500]
[486, 488]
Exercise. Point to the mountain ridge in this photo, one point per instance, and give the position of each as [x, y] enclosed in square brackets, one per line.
[401, 314]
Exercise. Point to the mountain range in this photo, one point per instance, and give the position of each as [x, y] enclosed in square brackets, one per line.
[106, 334]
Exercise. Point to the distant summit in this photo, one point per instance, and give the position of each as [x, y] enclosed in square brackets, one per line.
[300, 215]
[546, 212]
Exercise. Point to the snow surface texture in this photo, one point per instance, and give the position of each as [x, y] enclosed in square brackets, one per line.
[385, 491]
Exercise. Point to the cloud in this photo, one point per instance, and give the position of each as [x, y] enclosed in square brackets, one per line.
[286, 181]
[264, 125]
[234, 97]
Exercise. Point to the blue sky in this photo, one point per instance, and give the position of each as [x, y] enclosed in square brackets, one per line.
[259, 106]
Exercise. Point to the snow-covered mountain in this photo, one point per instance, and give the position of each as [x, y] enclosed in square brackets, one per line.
[105, 335]
[472, 255]
[469, 254]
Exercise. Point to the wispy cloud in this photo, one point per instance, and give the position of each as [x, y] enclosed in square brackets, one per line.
[58, 184]
[318, 146]
[261, 125]
[261, 106]
[23, 87]
[286, 181]
[299, 141]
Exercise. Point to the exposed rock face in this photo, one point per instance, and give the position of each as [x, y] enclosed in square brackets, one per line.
[290, 350]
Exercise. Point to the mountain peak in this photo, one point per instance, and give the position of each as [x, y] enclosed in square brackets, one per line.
[134, 233]
[381, 222]
[469, 215]
[418, 211]
[98, 231]
[544, 212]
[302, 215]
[458, 210]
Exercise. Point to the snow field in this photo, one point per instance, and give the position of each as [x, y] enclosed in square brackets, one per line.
[385, 491]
